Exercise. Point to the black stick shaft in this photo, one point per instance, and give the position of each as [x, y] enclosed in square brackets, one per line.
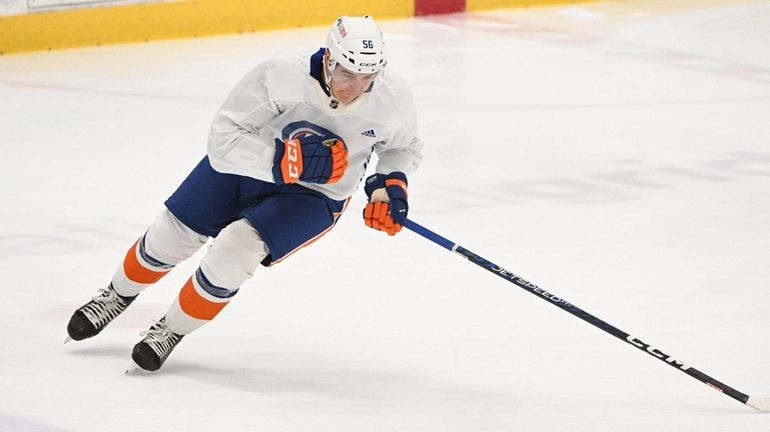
[576, 311]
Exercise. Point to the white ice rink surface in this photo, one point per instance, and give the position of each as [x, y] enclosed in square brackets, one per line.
[615, 153]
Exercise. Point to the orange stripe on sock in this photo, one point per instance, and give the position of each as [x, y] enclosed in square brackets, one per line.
[196, 306]
[136, 272]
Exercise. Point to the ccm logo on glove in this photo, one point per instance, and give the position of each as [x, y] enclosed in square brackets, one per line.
[310, 158]
[292, 163]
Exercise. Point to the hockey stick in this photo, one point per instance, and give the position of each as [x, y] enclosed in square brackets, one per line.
[758, 403]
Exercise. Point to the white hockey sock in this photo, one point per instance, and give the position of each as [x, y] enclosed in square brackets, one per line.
[231, 260]
[166, 243]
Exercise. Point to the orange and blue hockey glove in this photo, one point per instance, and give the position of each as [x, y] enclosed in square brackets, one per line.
[310, 158]
[388, 206]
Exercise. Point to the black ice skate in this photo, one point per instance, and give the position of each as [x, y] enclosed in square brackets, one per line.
[154, 349]
[91, 318]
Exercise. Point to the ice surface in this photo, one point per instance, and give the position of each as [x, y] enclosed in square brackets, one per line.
[621, 163]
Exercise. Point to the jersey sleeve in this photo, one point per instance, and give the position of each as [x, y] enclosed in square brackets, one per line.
[239, 141]
[403, 150]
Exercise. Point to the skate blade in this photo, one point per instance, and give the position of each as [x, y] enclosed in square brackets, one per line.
[133, 369]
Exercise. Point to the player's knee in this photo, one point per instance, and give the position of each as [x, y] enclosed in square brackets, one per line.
[170, 241]
[234, 255]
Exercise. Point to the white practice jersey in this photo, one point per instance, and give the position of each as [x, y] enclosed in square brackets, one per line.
[280, 99]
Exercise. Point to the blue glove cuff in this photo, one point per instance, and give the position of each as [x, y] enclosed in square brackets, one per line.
[377, 181]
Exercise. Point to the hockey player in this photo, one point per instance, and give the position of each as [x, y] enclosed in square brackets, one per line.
[286, 150]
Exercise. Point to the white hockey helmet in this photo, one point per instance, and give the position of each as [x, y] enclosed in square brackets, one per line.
[356, 44]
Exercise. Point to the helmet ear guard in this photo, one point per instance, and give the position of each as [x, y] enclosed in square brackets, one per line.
[356, 43]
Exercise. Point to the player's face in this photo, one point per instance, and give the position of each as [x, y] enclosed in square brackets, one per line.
[347, 85]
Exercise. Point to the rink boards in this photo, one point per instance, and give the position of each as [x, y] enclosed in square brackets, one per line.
[53, 27]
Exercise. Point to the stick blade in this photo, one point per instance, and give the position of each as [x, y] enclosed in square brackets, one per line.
[759, 403]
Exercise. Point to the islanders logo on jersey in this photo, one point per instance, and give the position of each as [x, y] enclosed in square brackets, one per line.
[304, 128]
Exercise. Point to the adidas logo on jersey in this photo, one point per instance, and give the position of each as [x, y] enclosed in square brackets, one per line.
[369, 133]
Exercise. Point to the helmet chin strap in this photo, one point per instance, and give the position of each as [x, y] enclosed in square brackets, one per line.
[328, 66]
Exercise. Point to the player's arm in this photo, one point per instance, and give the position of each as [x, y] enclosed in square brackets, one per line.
[386, 190]
[402, 151]
[239, 142]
